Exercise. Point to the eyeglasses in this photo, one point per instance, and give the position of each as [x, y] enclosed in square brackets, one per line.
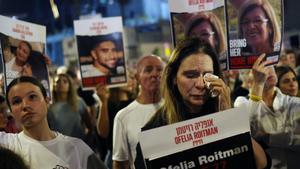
[258, 21]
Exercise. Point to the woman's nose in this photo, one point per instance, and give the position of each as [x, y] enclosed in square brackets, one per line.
[24, 105]
[200, 82]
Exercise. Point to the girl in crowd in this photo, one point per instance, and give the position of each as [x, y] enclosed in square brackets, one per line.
[186, 94]
[68, 114]
[287, 80]
[37, 143]
[259, 26]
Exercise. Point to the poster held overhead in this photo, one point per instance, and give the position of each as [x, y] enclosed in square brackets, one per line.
[202, 19]
[254, 27]
[101, 51]
[23, 50]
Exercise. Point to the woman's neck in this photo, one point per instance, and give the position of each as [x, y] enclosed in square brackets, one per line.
[40, 132]
[62, 97]
[19, 63]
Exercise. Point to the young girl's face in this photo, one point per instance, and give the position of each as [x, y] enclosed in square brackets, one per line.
[62, 84]
[28, 105]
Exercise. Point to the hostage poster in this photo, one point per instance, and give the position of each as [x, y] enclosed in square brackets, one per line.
[254, 27]
[23, 50]
[101, 51]
[204, 19]
[220, 140]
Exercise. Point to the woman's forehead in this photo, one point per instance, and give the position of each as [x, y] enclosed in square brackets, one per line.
[197, 60]
[255, 11]
[23, 88]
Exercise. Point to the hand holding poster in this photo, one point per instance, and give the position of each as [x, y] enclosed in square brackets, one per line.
[101, 53]
[254, 27]
[202, 19]
[23, 49]
[219, 140]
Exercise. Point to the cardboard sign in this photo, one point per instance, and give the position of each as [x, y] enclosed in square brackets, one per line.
[101, 51]
[23, 50]
[220, 140]
[254, 27]
[204, 19]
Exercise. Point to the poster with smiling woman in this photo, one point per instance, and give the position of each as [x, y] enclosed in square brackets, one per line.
[203, 19]
[254, 27]
[23, 50]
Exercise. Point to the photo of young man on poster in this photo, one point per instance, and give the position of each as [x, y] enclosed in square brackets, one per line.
[101, 57]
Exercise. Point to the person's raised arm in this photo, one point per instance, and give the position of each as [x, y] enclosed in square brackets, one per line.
[259, 71]
[103, 119]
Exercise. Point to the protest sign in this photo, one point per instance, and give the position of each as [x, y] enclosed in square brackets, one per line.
[101, 51]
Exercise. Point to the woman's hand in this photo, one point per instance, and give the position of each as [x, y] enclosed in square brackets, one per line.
[218, 86]
[47, 60]
[259, 70]
[260, 75]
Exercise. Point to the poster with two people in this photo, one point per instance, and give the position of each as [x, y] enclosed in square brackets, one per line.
[238, 30]
[101, 51]
[23, 51]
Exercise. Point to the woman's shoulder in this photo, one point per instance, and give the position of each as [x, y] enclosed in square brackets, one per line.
[157, 120]
[74, 143]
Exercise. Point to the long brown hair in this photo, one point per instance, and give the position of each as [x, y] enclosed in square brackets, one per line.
[72, 95]
[173, 107]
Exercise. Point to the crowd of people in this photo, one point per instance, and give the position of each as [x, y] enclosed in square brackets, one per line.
[79, 129]
[109, 120]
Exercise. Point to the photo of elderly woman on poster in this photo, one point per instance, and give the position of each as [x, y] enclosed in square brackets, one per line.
[259, 26]
[207, 26]
[254, 27]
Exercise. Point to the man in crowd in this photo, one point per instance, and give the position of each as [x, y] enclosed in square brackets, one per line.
[129, 121]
